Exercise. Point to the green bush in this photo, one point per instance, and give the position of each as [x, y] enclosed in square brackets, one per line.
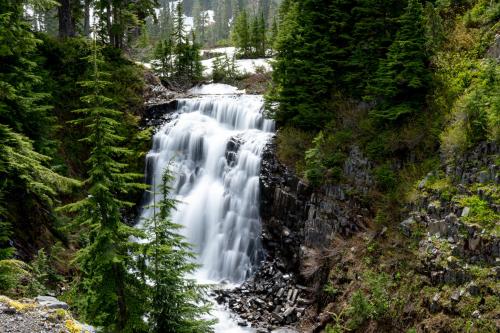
[480, 212]
[385, 177]
[292, 143]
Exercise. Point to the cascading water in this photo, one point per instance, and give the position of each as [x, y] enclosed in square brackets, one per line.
[214, 149]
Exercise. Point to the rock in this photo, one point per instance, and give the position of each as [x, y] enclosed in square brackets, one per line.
[494, 50]
[9, 310]
[465, 212]
[473, 289]
[406, 226]
[51, 302]
[474, 243]
[451, 218]
[438, 227]
[476, 314]
[455, 297]
[484, 177]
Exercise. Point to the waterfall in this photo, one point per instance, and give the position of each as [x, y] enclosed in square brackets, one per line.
[213, 146]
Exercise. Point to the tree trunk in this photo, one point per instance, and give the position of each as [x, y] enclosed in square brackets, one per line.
[66, 22]
[86, 22]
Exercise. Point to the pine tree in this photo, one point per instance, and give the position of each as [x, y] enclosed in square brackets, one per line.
[241, 35]
[22, 104]
[434, 29]
[374, 28]
[273, 34]
[303, 72]
[177, 302]
[255, 37]
[163, 54]
[402, 78]
[111, 294]
[27, 182]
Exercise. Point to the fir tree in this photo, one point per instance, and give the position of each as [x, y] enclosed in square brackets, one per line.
[163, 54]
[177, 302]
[402, 78]
[303, 74]
[241, 35]
[22, 105]
[111, 295]
[373, 30]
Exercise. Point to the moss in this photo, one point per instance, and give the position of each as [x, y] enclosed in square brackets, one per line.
[19, 306]
[73, 326]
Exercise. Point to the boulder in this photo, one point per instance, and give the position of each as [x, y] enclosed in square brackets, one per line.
[51, 302]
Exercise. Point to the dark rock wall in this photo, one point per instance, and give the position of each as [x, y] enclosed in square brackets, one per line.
[298, 219]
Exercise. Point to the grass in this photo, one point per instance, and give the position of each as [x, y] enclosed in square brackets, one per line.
[480, 213]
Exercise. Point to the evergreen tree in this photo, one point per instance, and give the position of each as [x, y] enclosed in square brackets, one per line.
[177, 302]
[402, 78]
[434, 29]
[241, 35]
[374, 29]
[111, 294]
[273, 34]
[255, 37]
[163, 54]
[303, 74]
[27, 182]
[22, 105]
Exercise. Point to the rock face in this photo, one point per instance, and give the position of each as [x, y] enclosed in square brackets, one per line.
[455, 251]
[299, 223]
[296, 217]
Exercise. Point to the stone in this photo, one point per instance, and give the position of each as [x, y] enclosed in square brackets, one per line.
[51, 302]
[451, 218]
[406, 226]
[455, 297]
[438, 227]
[465, 212]
[484, 177]
[474, 243]
[476, 314]
[9, 310]
[473, 289]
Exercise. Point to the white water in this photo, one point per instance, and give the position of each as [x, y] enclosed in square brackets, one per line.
[217, 183]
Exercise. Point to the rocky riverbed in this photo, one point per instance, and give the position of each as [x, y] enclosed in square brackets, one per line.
[270, 300]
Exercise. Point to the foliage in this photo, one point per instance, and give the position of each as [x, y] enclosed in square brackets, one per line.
[325, 160]
[371, 305]
[179, 60]
[403, 77]
[177, 302]
[480, 211]
[110, 291]
[224, 70]
[39, 267]
[292, 143]
[13, 276]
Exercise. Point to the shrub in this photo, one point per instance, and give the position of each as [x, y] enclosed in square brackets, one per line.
[292, 143]
[385, 177]
[480, 212]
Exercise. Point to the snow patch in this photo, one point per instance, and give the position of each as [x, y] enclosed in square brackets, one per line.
[215, 89]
